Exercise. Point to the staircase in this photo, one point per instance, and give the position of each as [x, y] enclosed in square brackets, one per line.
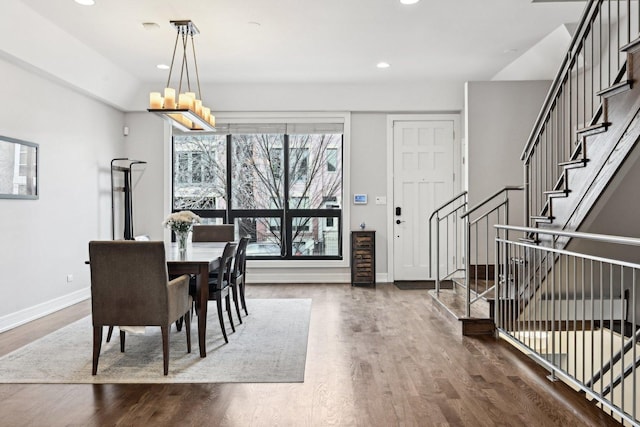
[587, 127]
[588, 123]
[523, 282]
[470, 266]
[599, 151]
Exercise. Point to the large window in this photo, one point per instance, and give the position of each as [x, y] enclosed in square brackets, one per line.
[284, 184]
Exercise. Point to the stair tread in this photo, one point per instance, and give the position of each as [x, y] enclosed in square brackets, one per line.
[597, 128]
[527, 240]
[631, 47]
[616, 88]
[560, 193]
[546, 219]
[575, 163]
[455, 303]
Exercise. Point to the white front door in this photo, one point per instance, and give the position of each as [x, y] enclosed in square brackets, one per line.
[423, 174]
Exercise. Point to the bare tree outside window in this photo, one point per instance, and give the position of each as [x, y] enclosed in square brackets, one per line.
[257, 187]
[256, 179]
[308, 180]
[310, 186]
[200, 172]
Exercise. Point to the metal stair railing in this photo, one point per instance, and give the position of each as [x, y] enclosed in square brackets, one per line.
[576, 105]
[478, 230]
[467, 233]
[447, 216]
[582, 322]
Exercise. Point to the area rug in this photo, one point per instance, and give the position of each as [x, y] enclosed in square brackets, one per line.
[270, 346]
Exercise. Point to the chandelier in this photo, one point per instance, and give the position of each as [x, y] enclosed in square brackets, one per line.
[186, 111]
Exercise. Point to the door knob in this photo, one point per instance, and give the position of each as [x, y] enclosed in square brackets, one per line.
[398, 221]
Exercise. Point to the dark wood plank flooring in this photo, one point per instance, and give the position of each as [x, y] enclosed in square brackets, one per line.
[376, 357]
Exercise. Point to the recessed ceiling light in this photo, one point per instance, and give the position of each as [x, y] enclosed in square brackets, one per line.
[162, 67]
[150, 26]
[409, 1]
[383, 65]
[86, 2]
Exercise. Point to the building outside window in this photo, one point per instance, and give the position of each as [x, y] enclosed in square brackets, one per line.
[284, 187]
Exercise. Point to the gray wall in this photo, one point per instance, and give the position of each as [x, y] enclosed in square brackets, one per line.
[148, 140]
[616, 213]
[44, 240]
[368, 176]
[499, 118]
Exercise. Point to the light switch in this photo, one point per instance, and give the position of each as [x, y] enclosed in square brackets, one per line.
[381, 200]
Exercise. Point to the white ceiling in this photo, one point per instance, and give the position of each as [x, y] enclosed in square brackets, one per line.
[315, 41]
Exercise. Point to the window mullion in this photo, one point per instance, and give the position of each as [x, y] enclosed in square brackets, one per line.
[286, 220]
[229, 219]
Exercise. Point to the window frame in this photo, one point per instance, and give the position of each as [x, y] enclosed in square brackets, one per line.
[343, 214]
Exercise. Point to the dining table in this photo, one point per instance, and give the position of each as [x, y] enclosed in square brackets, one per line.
[198, 259]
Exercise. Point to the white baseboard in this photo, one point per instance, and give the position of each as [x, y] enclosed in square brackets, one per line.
[265, 276]
[382, 277]
[21, 317]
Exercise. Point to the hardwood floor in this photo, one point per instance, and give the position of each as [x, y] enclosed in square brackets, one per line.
[376, 357]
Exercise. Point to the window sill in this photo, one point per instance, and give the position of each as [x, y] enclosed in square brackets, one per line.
[278, 263]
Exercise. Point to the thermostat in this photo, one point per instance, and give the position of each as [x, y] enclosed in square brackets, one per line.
[359, 199]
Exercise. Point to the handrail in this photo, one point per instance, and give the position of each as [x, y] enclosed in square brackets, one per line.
[489, 212]
[587, 15]
[490, 198]
[561, 305]
[438, 209]
[606, 238]
[444, 205]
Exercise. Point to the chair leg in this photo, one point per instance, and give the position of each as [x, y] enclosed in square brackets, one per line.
[97, 343]
[109, 333]
[187, 327]
[234, 290]
[122, 341]
[227, 300]
[165, 348]
[244, 304]
[219, 305]
[179, 324]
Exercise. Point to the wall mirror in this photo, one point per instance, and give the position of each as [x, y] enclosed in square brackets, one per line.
[18, 169]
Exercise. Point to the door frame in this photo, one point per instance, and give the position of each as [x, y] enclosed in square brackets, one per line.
[458, 162]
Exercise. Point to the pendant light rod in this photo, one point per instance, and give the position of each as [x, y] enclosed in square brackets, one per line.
[185, 111]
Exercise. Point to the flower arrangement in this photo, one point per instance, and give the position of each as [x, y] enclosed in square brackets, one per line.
[181, 222]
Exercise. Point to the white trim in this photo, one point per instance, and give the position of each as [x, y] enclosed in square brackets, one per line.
[291, 117]
[266, 276]
[457, 185]
[29, 314]
[382, 277]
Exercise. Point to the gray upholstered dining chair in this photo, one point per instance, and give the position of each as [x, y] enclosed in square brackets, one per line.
[130, 286]
[213, 233]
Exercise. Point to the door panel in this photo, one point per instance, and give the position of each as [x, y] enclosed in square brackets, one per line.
[423, 179]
